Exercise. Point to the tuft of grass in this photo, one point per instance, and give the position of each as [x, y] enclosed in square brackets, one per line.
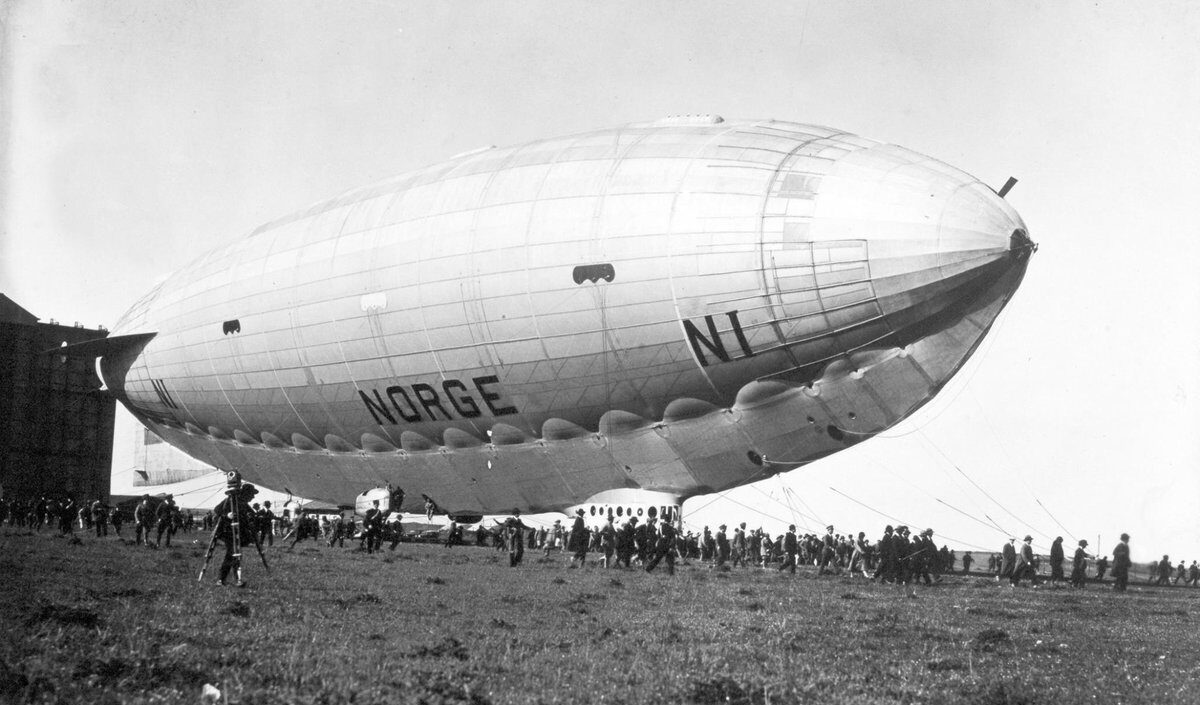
[990, 639]
[724, 689]
[446, 648]
[237, 608]
[65, 615]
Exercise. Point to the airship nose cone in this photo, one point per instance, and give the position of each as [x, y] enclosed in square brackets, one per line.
[974, 219]
[940, 244]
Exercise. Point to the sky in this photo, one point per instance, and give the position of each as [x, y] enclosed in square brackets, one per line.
[138, 135]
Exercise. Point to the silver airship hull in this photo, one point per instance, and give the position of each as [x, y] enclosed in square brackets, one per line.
[660, 309]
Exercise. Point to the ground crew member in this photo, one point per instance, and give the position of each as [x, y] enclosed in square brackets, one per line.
[1008, 560]
[828, 551]
[1024, 564]
[925, 554]
[739, 545]
[664, 548]
[1120, 564]
[453, 534]
[577, 543]
[266, 524]
[789, 550]
[858, 559]
[165, 516]
[394, 526]
[644, 541]
[224, 530]
[1164, 571]
[514, 537]
[904, 559]
[1056, 559]
[337, 532]
[722, 546]
[967, 560]
[66, 517]
[608, 542]
[1079, 566]
[99, 517]
[142, 517]
[886, 570]
[625, 542]
[117, 519]
[373, 528]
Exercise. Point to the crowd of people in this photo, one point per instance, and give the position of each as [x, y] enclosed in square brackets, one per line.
[897, 556]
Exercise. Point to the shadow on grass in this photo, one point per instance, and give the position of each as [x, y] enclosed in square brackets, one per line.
[724, 689]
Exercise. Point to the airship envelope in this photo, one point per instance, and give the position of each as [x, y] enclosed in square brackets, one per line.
[637, 314]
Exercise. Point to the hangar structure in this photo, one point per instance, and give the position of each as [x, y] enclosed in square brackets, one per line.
[56, 426]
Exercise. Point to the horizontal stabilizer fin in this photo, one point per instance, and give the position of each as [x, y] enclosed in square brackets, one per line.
[101, 347]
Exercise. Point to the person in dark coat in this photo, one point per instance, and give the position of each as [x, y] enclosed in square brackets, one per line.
[722, 546]
[608, 543]
[1164, 571]
[886, 570]
[117, 519]
[164, 517]
[372, 528]
[143, 517]
[99, 517]
[577, 542]
[905, 548]
[1121, 563]
[789, 550]
[224, 530]
[738, 553]
[1056, 559]
[626, 542]
[514, 536]
[1079, 566]
[925, 556]
[1008, 560]
[664, 548]
[266, 524]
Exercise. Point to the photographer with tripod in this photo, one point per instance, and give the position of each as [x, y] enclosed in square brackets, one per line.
[235, 527]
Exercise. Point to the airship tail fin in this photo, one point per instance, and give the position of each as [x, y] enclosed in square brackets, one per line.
[115, 354]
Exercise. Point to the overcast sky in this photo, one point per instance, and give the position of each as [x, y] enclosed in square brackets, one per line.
[137, 135]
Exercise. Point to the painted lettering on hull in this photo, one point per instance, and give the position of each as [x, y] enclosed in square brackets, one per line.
[713, 341]
[450, 400]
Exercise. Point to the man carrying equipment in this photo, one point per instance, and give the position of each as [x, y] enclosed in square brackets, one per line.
[234, 527]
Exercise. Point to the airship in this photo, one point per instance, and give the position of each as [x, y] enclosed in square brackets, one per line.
[626, 317]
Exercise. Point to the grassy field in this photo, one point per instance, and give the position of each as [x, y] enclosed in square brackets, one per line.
[98, 621]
